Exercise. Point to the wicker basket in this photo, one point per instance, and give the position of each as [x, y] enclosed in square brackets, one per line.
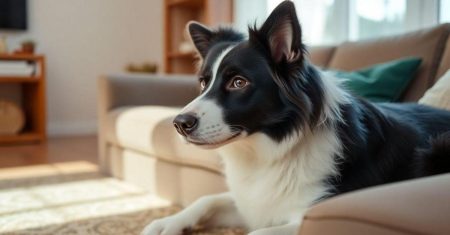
[12, 119]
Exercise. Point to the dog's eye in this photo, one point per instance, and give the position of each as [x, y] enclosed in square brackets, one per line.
[237, 82]
[202, 85]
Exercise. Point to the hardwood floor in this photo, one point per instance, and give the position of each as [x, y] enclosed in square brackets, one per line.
[56, 149]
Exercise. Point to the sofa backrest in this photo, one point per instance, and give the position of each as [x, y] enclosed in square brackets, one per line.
[427, 44]
[321, 55]
[445, 61]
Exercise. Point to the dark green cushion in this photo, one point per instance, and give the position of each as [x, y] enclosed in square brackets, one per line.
[383, 82]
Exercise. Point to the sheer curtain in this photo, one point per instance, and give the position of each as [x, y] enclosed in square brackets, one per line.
[333, 21]
[444, 11]
[248, 12]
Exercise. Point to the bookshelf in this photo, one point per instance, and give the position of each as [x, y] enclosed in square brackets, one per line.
[177, 14]
[33, 101]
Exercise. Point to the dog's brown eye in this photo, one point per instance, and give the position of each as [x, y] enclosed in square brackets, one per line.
[202, 85]
[238, 82]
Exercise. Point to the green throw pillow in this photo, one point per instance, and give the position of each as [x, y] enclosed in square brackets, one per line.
[383, 82]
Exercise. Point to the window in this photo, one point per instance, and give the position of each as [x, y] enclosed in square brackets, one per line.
[372, 18]
[444, 11]
[333, 21]
[323, 21]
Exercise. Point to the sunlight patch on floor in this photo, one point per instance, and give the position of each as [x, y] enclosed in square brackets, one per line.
[32, 197]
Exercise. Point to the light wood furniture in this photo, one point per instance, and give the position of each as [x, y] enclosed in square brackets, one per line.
[177, 14]
[33, 101]
[12, 118]
[54, 150]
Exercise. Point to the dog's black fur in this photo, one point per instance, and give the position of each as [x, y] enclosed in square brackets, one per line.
[382, 143]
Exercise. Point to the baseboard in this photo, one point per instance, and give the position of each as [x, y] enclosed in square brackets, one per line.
[72, 128]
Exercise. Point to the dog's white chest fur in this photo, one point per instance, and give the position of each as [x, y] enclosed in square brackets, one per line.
[274, 183]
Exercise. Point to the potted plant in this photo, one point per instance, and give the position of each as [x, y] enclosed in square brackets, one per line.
[28, 46]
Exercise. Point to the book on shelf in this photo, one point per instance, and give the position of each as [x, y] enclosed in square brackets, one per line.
[17, 68]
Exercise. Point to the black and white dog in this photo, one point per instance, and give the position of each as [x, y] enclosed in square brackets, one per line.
[289, 135]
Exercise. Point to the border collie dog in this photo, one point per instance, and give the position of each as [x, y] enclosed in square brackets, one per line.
[290, 135]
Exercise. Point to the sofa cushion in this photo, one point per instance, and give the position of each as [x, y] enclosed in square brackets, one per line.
[149, 129]
[420, 206]
[427, 44]
[439, 95]
[383, 82]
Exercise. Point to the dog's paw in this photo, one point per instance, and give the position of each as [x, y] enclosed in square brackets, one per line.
[172, 225]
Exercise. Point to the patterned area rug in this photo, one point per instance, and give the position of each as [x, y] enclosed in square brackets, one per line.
[74, 198]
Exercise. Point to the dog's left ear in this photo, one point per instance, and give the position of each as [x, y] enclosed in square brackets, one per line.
[201, 36]
[282, 33]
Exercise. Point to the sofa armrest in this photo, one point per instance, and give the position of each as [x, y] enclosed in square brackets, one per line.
[134, 89]
[420, 206]
[121, 90]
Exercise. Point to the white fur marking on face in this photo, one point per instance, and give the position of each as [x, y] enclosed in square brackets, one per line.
[216, 66]
[212, 127]
[191, 107]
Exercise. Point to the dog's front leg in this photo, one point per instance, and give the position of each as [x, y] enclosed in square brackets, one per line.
[287, 229]
[209, 211]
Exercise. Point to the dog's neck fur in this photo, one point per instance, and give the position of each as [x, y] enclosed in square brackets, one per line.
[291, 172]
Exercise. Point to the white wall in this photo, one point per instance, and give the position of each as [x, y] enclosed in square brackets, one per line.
[83, 39]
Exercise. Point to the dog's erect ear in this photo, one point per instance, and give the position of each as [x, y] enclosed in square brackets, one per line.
[201, 36]
[282, 33]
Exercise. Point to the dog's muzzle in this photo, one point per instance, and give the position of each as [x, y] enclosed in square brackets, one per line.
[185, 123]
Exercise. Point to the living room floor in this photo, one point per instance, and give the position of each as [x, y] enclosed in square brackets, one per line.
[56, 188]
[56, 149]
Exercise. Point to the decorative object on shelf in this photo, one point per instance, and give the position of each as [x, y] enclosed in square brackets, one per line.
[143, 68]
[186, 47]
[27, 48]
[12, 118]
[3, 45]
[17, 68]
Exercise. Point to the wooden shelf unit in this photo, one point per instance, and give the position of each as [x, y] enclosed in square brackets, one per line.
[33, 79]
[177, 14]
[33, 101]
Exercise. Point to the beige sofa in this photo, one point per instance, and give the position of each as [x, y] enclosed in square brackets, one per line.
[139, 144]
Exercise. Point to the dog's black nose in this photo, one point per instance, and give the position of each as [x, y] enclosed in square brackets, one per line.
[185, 123]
